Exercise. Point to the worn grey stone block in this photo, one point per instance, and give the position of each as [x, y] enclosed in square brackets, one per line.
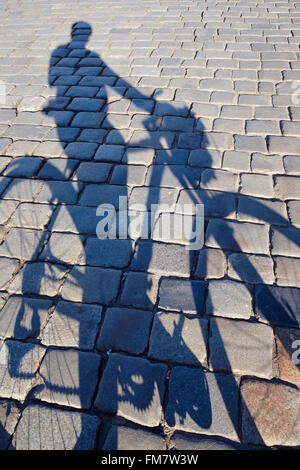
[182, 295]
[132, 175]
[61, 134]
[287, 271]
[190, 140]
[229, 125]
[216, 203]
[61, 118]
[68, 378]
[89, 135]
[257, 185]
[88, 119]
[242, 348]
[140, 156]
[277, 305]
[9, 416]
[283, 145]
[92, 285]
[140, 290]
[139, 400]
[287, 187]
[205, 158]
[85, 91]
[59, 192]
[186, 442]
[228, 298]
[23, 166]
[251, 143]
[38, 278]
[203, 402]
[262, 126]
[285, 241]
[113, 253]
[179, 339]
[159, 258]
[173, 176]
[124, 438]
[267, 163]
[44, 428]
[94, 195]
[217, 140]
[291, 164]
[23, 243]
[63, 248]
[58, 169]
[8, 267]
[72, 325]
[220, 180]
[155, 139]
[18, 365]
[251, 268]
[7, 208]
[7, 116]
[93, 172]
[81, 150]
[77, 219]
[234, 111]
[253, 209]
[211, 264]
[125, 329]
[24, 131]
[264, 405]
[23, 317]
[85, 104]
[294, 212]
[20, 189]
[148, 196]
[109, 153]
[244, 237]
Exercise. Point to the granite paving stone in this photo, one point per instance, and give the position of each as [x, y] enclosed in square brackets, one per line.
[229, 299]
[18, 365]
[264, 405]
[8, 267]
[125, 438]
[72, 325]
[63, 248]
[125, 329]
[103, 252]
[23, 243]
[277, 305]
[95, 285]
[44, 428]
[9, 417]
[68, 378]
[125, 375]
[159, 258]
[203, 402]
[287, 354]
[34, 315]
[241, 347]
[38, 278]
[140, 290]
[176, 338]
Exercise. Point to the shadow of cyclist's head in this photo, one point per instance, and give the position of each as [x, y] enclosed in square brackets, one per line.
[81, 32]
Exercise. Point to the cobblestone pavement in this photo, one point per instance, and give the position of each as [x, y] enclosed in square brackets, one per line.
[133, 343]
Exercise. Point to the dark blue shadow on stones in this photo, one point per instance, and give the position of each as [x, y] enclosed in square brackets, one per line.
[276, 305]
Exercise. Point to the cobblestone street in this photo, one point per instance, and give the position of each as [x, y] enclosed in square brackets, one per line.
[140, 343]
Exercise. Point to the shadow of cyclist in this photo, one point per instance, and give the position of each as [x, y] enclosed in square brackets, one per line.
[80, 109]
